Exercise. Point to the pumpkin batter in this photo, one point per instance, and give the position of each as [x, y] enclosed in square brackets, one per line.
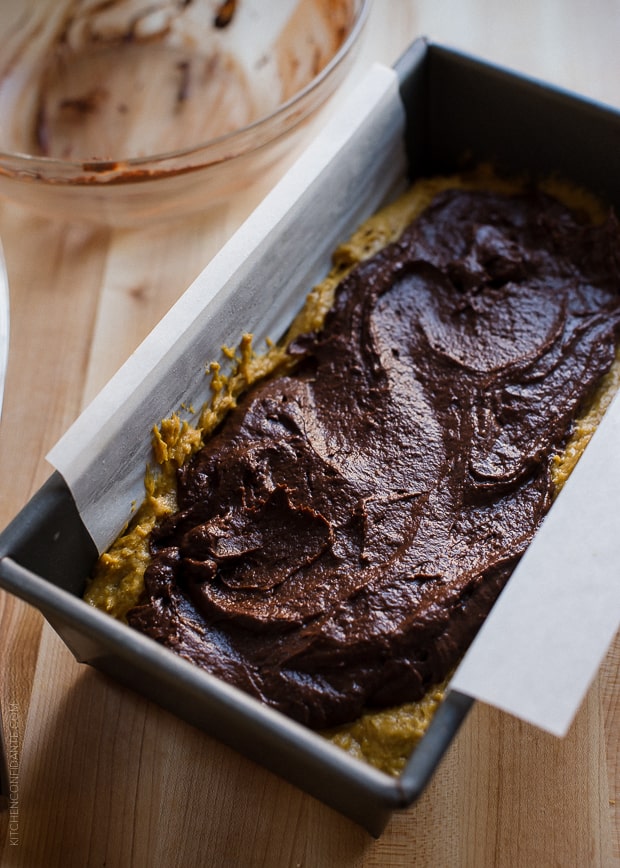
[520, 469]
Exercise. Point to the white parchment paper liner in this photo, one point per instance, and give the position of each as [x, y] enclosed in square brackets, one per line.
[540, 648]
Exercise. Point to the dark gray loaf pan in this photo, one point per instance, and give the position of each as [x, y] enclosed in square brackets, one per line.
[456, 108]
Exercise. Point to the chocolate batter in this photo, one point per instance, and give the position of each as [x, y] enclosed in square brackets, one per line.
[342, 536]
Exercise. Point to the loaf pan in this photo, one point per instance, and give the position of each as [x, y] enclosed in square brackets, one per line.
[456, 108]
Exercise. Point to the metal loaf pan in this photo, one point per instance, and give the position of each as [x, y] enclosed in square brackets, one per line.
[457, 107]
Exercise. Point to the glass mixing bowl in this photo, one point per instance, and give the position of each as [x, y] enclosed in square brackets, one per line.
[122, 111]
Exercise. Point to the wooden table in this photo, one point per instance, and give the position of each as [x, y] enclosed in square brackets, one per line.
[107, 778]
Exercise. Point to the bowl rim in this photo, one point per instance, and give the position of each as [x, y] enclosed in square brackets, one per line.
[21, 162]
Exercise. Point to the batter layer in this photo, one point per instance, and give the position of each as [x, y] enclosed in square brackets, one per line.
[336, 544]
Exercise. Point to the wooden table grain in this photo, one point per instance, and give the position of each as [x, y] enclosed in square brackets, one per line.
[106, 778]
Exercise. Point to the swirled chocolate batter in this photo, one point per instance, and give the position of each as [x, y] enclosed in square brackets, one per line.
[341, 537]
